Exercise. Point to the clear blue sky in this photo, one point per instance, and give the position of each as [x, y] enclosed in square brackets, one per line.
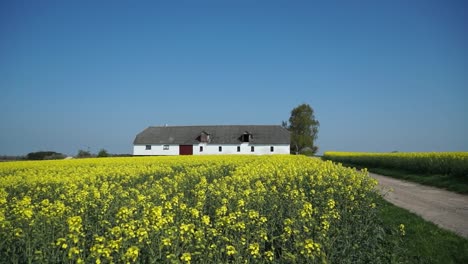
[380, 75]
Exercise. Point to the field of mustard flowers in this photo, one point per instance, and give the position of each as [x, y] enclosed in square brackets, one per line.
[446, 163]
[218, 209]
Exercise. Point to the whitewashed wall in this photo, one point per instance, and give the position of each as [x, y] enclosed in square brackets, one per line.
[155, 150]
[212, 149]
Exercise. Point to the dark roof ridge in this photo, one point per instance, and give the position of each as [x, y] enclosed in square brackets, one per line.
[210, 125]
[223, 134]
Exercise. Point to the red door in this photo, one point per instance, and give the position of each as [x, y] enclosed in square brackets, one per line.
[185, 150]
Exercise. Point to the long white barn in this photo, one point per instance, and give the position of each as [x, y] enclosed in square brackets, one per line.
[212, 140]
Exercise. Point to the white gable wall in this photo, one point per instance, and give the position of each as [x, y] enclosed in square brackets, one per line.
[212, 149]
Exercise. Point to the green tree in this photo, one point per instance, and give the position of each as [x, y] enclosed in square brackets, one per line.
[83, 154]
[44, 155]
[304, 129]
[103, 153]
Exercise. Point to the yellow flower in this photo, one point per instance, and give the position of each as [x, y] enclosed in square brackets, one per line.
[18, 232]
[206, 220]
[253, 214]
[187, 228]
[230, 250]
[402, 229]
[132, 253]
[254, 250]
[310, 248]
[307, 210]
[325, 225]
[73, 251]
[221, 211]
[195, 213]
[186, 257]
[28, 213]
[269, 255]
[166, 241]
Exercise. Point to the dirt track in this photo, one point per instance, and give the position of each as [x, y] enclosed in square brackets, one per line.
[446, 209]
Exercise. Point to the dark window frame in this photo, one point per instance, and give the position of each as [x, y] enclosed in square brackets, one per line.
[272, 149]
[246, 137]
[220, 149]
[201, 148]
[238, 148]
[148, 147]
[165, 147]
[252, 149]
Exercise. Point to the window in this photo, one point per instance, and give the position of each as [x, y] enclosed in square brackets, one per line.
[201, 148]
[166, 147]
[148, 147]
[252, 149]
[272, 149]
[238, 148]
[204, 137]
[246, 137]
[220, 148]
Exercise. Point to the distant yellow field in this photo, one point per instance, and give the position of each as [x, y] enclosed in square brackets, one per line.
[454, 163]
[187, 209]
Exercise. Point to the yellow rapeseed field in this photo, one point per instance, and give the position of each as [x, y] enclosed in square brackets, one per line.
[218, 209]
[449, 163]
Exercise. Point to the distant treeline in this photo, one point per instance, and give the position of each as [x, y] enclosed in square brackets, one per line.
[11, 158]
[52, 155]
[45, 155]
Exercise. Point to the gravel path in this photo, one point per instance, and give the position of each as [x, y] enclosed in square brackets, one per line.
[446, 209]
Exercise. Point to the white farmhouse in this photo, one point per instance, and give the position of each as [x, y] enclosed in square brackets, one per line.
[212, 140]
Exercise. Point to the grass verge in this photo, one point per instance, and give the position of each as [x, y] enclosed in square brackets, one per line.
[450, 183]
[423, 242]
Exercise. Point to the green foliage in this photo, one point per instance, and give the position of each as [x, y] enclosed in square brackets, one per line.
[308, 151]
[424, 242]
[44, 155]
[83, 154]
[304, 129]
[103, 153]
[55, 156]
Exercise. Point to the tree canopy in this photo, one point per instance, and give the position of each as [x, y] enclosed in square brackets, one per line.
[304, 129]
[103, 153]
[83, 154]
[44, 155]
